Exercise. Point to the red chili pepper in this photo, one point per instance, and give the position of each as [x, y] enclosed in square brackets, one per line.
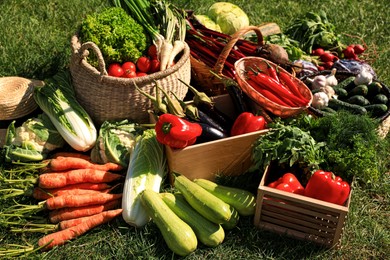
[326, 186]
[247, 122]
[288, 182]
[272, 71]
[176, 132]
[292, 86]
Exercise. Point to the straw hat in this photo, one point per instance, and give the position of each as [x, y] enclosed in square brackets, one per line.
[16, 97]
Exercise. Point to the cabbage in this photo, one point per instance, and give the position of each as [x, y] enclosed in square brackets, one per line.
[32, 141]
[206, 21]
[115, 142]
[228, 16]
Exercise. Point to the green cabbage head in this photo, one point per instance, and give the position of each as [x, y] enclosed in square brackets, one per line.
[228, 16]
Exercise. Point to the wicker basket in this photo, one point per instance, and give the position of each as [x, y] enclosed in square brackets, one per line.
[17, 97]
[200, 72]
[244, 64]
[108, 98]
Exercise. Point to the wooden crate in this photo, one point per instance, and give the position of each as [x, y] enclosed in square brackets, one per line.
[229, 156]
[299, 216]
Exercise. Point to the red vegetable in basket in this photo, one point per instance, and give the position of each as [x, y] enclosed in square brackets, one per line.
[247, 122]
[288, 182]
[176, 132]
[115, 70]
[326, 186]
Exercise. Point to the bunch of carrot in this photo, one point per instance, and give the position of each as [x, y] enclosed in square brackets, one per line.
[76, 193]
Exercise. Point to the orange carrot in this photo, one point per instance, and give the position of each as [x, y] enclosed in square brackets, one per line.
[74, 222]
[58, 215]
[41, 194]
[72, 154]
[64, 163]
[61, 237]
[68, 201]
[52, 180]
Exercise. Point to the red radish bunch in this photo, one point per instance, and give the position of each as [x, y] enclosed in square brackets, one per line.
[327, 58]
[352, 51]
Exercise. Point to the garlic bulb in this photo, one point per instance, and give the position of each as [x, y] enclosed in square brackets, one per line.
[318, 82]
[320, 100]
[363, 78]
[331, 79]
[328, 90]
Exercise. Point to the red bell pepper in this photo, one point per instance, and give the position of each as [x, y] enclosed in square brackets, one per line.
[326, 186]
[288, 182]
[247, 122]
[176, 132]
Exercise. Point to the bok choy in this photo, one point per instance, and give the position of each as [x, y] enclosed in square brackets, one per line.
[57, 99]
[147, 168]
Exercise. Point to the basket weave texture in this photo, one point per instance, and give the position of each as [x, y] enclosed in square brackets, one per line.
[209, 82]
[17, 97]
[107, 98]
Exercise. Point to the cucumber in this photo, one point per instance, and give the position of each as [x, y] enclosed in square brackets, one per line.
[358, 100]
[243, 201]
[374, 88]
[207, 204]
[232, 223]
[177, 234]
[341, 92]
[342, 105]
[380, 99]
[376, 110]
[209, 233]
[358, 90]
[347, 83]
[328, 110]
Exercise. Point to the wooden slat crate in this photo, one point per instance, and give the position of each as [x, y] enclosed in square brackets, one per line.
[299, 216]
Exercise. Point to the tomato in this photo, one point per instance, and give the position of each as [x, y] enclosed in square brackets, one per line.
[152, 51]
[154, 65]
[129, 66]
[115, 70]
[143, 64]
[129, 74]
[141, 74]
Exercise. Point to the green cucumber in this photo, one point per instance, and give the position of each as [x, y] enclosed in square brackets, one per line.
[374, 88]
[358, 90]
[177, 234]
[341, 92]
[377, 110]
[347, 83]
[243, 201]
[342, 105]
[380, 99]
[328, 110]
[207, 204]
[358, 100]
[209, 233]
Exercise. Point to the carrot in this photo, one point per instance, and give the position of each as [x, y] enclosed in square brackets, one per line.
[68, 201]
[72, 154]
[62, 236]
[58, 215]
[41, 194]
[52, 180]
[74, 221]
[64, 163]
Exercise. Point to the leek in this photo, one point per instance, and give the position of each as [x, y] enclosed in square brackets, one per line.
[57, 99]
[147, 168]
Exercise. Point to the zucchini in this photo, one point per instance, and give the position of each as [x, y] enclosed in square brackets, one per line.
[358, 90]
[341, 92]
[232, 223]
[209, 233]
[347, 83]
[380, 99]
[376, 110]
[358, 100]
[243, 201]
[342, 105]
[207, 204]
[177, 234]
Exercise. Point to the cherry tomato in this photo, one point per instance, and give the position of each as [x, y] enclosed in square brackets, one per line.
[129, 74]
[152, 51]
[143, 64]
[154, 65]
[115, 70]
[141, 74]
[129, 66]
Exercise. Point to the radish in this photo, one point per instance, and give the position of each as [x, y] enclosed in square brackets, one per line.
[327, 57]
[349, 52]
[359, 49]
[318, 52]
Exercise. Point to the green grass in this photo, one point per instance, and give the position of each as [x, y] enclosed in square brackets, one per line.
[35, 43]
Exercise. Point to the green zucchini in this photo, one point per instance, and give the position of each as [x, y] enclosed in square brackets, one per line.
[209, 233]
[347, 83]
[341, 92]
[358, 100]
[177, 234]
[232, 223]
[207, 204]
[380, 99]
[342, 105]
[358, 90]
[376, 110]
[243, 201]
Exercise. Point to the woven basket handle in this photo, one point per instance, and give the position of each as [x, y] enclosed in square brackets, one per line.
[228, 47]
[83, 52]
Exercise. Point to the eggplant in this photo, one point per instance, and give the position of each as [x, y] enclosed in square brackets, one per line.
[238, 98]
[219, 118]
[206, 119]
[210, 133]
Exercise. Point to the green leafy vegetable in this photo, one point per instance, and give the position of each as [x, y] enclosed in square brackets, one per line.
[119, 37]
[228, 16]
